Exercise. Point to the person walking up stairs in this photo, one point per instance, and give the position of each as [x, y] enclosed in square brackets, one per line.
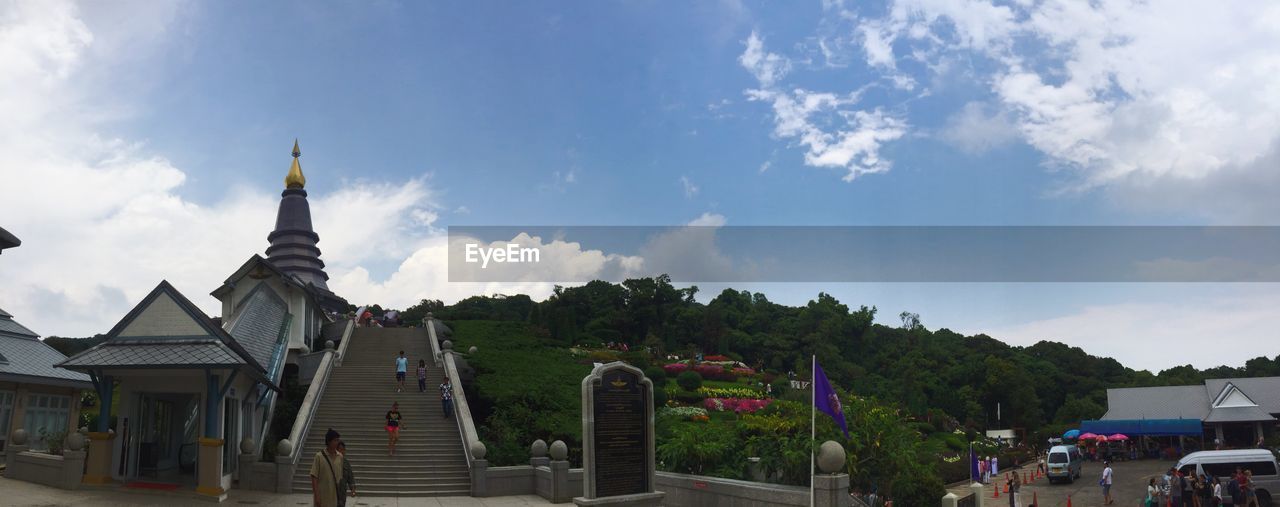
[429, 459]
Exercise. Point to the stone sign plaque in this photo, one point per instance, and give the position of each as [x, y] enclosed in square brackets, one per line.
[621, 441]
[617, 438]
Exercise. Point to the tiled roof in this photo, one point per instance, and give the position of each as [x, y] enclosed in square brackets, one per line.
[1238, 414]
[1167, 402]
[258, 323]
[34, 358]
[11, 327]
[167, 353]
[1265, 391]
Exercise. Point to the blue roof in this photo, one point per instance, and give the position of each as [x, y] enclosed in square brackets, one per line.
[1147, 427]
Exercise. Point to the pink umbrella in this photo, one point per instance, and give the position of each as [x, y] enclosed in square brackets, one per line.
[1118, 436]
[1088, 436]
[1100, 438]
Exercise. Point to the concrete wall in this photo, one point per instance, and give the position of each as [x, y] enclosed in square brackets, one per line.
[511, 481]
[696, 490]
[256, 475]
[58, 471]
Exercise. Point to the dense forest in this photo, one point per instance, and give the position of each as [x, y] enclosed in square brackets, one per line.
[929, 373]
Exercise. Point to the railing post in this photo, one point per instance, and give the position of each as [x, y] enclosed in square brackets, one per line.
[950, 500]
[976, 489]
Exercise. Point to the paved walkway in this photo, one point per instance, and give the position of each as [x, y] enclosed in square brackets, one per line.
[20, 494]
[1129, 488]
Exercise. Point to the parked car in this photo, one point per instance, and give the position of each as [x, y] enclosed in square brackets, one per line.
[1224, 463]
[1065, 463]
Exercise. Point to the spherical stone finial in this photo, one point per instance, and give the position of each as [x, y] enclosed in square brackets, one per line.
[538, 449]
[431, 315]
[74, 441]
[329, 345]
[19, 437]
[831, 457]
[559, 451]
[304, 350]
[284, 448]
[447, 345]
[84, 430]
[246, 445]
[478, 450]
[472, 350]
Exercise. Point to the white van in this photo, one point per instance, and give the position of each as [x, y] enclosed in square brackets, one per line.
[1223, 464]
[1065, 463]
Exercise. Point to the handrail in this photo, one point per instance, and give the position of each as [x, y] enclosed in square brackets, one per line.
[435, 342]
[461, 411]
[346, 339]
[276, 374]
[307, 411]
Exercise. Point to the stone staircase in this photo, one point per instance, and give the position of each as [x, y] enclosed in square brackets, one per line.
[429, 458]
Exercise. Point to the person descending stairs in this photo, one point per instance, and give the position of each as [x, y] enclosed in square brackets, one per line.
[429, 459]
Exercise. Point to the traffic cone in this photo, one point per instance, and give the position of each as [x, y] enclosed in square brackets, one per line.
[1068, 500]
[1035, 500]
[996, 489]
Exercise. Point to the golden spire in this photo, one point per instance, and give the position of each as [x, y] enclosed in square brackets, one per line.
[295, 179]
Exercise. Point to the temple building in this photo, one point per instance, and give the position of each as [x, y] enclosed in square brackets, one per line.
[195, 391]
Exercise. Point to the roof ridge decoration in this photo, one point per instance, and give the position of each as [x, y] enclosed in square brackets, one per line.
[1232, 396]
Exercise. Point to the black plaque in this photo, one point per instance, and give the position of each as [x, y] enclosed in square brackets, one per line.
[621, 435]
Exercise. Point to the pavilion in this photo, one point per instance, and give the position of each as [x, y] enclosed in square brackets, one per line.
[195, 391]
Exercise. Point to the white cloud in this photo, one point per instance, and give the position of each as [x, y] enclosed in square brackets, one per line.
[690, 189]
[709, 219]
[764, 166]
[767, 67]
[834, 133]
[1128, 94]
[1148, 335]
[977, 128]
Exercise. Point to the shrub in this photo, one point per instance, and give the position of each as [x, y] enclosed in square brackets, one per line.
[689, 397]
[735, 405]
[603, 356]
[689, 381]
[659, 398]
[714, 372]
[780, 386]
[656, 375]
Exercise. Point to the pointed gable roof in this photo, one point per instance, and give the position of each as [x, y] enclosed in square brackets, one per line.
[166, 330]
[259, 267]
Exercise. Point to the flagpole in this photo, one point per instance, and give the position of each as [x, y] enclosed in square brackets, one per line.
[813, 408]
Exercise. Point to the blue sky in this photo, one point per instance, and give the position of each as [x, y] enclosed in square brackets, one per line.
[166, 128]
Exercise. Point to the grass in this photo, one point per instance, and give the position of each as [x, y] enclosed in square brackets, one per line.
[524, 389]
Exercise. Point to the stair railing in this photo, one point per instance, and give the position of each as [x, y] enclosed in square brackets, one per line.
[346, 340]
[461, 411]
[307, 411]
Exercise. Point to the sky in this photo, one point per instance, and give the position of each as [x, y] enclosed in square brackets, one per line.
[148, 140]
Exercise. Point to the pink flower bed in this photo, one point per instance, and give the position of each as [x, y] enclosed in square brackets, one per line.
[738, 405]
[709, 371]
[674, 369]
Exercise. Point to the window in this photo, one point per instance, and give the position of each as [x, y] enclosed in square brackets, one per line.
[1058, 457]
[6, 413]
[1188, 470]
[1259, 468]
[46, 413]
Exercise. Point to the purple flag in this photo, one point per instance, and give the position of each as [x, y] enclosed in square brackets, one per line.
[826, 399]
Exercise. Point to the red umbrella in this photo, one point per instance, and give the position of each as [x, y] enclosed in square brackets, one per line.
[1088, 436]
[1118, 436]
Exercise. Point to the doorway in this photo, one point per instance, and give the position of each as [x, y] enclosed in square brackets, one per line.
[168, 438]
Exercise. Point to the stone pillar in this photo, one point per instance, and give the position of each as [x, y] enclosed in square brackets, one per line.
[976, 489]
[831, 486]
[560, 474]
[72, 468]
[950, 500]
[479, 470]
[98, 463]
[538, 454]
[830, 490]
[209, 468]
[285, 468]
